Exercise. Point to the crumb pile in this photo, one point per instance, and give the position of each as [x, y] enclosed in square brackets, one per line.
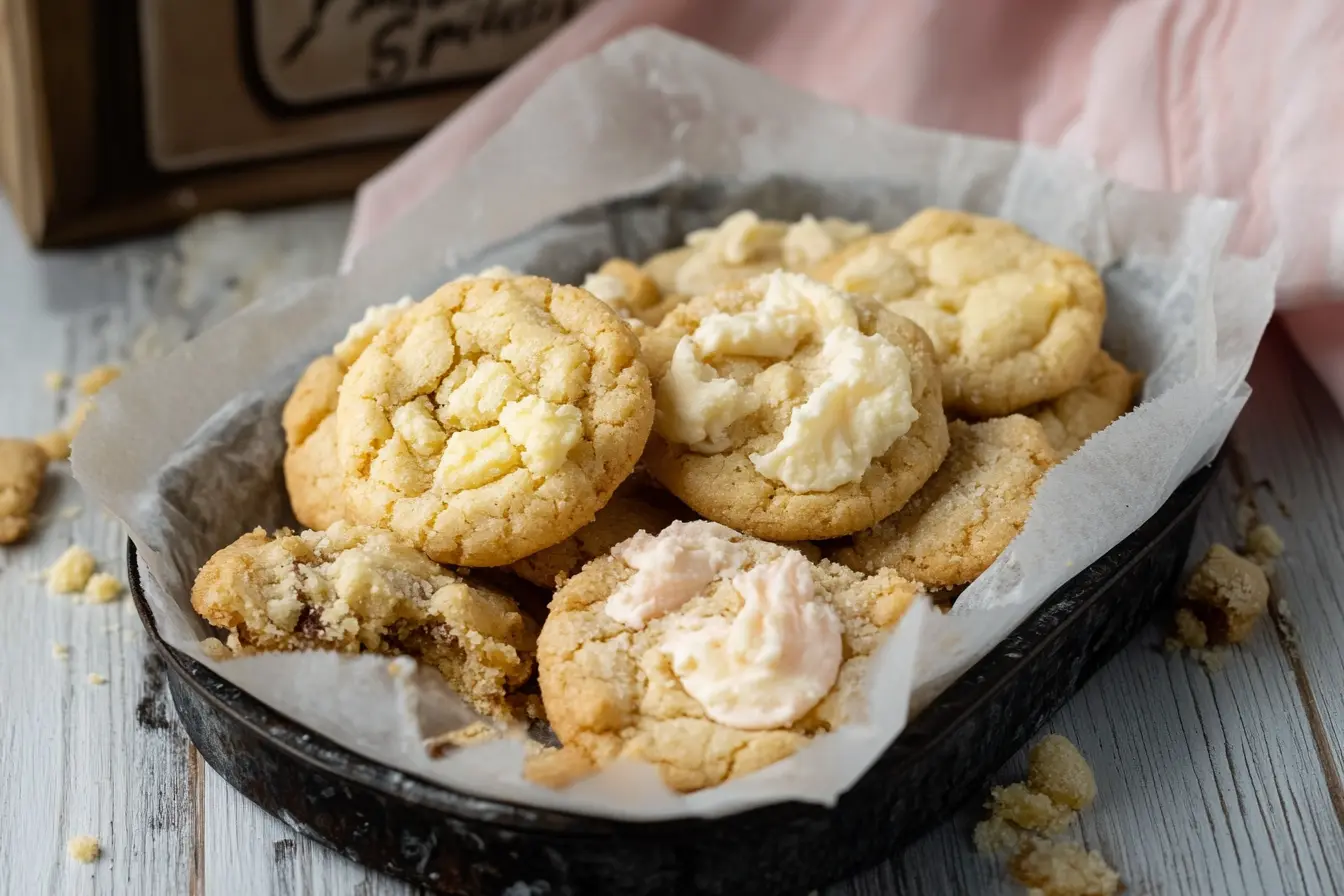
[1026, 817]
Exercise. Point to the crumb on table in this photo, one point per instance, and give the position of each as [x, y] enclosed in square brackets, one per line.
[1056, 769]
[995, 836]
[60, 651]
[71, 571]
[84, 848]
[95, 678]
[1264, 546]
[1051, 868]
[1059, 784]
[23, 464]
[95, 380]
[55, 380]
[1227, 594]
[1029, 809]
[102, 588]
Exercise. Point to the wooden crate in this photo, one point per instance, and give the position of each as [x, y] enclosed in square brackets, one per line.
[121, 116]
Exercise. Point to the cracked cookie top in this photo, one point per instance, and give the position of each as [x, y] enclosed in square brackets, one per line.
[493, 419]
[963, 518]
[791, 411]
[1013, 320]
[708, 653]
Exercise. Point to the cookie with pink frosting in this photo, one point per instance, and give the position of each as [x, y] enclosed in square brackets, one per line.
[707, 653]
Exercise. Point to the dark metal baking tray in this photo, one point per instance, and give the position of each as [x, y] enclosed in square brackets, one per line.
[452, 842]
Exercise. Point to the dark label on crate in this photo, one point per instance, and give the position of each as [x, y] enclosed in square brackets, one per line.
[315, 52]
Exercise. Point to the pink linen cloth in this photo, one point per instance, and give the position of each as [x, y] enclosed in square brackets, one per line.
[1235, 98]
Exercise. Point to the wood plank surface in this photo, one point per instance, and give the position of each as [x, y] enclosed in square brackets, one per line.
[1210, 782]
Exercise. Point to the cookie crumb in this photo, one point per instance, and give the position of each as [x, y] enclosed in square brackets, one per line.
[997, 837]
[71, 571]
[1059, 771]
[60, 651]
[95, 380]
[1059, 783]
[215, 649]
[466, 736]
[102, 588]
[1029, 809]
[1050, 868]
[95, 678]
[1213, 659]
[84, 848]
[556, 768]
[1227, 594]
[1264, 545]
[55, 444]
[23, 464]
[55, 380]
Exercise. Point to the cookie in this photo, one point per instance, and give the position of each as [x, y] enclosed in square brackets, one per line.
[492, 419]
[707, 653]
[355, 589]
[963, 518]
[1014, 321]
[791, 411]
[312, 470]
[743, 246]
[1106, 393]
[630, 292]
[624, 515]
[23, 464]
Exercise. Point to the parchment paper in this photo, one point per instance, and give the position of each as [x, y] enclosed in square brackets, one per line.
[654, 136]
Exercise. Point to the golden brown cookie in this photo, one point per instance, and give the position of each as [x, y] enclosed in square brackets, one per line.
[963, 518]
[791, 411]
[631, 292]
[636, 658]
[624, 515]
[1106, 393]
[493, 419]
[312, 469]
[355, 589]
[1013, 320]
[743, 246]
[22, 467]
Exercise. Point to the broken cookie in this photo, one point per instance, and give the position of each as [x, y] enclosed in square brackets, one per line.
[22, 466]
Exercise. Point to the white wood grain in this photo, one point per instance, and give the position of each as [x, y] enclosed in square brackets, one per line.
[1209, 783]
[78, 759]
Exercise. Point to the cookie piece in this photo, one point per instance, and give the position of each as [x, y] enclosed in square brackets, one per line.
[1014, 321]
[1223, 599]
[624, 515]
[743, 246]
[23, 464]
[977, 502]
[638, 658]
[493, 419]
[1106, 393]
[355, 589]
[791, 411]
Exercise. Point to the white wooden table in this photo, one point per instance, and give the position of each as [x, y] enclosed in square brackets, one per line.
[1219, 783]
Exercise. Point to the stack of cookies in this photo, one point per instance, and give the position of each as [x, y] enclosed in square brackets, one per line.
[735, 465]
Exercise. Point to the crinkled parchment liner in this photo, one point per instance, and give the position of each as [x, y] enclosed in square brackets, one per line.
[651, 137]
